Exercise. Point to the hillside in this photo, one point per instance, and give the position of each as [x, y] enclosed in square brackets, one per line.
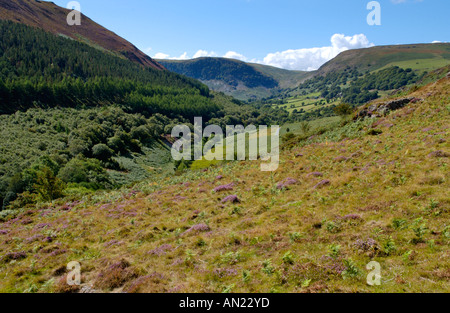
[358, 76]
[74, 74]
[236, 78]
[250, 81]
[88, 120]
[424, 57]
[52, 18]
[370, 190]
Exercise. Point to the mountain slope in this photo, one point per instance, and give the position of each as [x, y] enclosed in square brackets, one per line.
[52, 18]
[118, 111]
[249, 81]
[372, 190]
[358, 76]
[406, 56]
[40, 69]
[239, 79]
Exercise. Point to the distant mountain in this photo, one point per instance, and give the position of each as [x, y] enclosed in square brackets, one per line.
[249, 81]
[239, 79]
[52, 18]
[416, 56]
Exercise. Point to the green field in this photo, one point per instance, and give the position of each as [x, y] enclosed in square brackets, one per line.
[294, 128]
[420, 65]
[306, 102]
[204, 163]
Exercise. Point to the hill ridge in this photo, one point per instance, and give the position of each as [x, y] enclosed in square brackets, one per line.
[52, 18]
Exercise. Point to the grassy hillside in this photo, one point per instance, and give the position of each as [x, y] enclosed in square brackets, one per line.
[52, 18]
[426, 57]
[317, 96]
[374, 189]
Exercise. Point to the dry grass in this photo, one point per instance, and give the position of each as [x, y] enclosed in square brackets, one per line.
[387, 200]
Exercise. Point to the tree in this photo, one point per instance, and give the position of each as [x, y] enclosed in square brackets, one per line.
[102, 152]
[48, 186]
[343, 109]
[305, 127]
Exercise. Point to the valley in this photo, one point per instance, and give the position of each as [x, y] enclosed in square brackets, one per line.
[88, 176]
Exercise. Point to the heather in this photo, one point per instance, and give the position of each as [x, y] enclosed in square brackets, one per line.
[350, 196]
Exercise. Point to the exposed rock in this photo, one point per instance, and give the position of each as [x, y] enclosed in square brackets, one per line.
[199, 228]
[382, 109]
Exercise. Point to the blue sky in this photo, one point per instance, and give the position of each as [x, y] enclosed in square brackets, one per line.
[276, 32]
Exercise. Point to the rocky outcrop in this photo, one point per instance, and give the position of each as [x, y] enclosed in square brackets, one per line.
[383, 108]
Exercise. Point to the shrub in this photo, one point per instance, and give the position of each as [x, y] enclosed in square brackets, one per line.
[288, 258]
[78, 146]
[295, 237]
[48, 186]
[305, 127]
[389, 246]
[334, 250]
[115, 275]
[333, 227]
[351, 270]
[420, 229]
[85, 172]
[102, 152]
[343, 109]
[117, 144]
[268, 268]
[398, 223]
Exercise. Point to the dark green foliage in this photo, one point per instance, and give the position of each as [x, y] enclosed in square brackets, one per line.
[349, 86]
[356, 88]
[86, 172]
[232, 72]
[343, 109]
[48, 186]
[102, 152]
[235, 112]
[76, 111]
[90, 142]
[365, 89]
[38, 69]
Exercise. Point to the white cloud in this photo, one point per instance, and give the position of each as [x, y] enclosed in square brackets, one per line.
[437, 41]
[163, 56]
[185, 56]
[160, 56]
[312, 58]
[308, 59]
[235, 55]
[204, 53]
